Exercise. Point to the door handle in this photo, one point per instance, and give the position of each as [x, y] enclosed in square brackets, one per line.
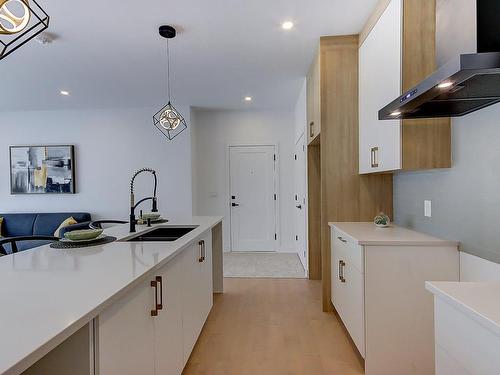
[299, 207]
[235, 204]
[374, 157]
[311, 129]
[341, 271]
[202, 251]
[154, 284]
[159, 280]
[341, 239]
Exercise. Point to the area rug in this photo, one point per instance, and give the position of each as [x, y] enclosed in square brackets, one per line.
[263, 265]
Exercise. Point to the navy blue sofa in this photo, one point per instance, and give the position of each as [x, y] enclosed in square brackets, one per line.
[40, 224]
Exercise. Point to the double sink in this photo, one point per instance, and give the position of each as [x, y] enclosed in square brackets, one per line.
[163, 234]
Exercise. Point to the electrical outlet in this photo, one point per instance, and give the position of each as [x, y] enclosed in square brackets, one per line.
[427, 208]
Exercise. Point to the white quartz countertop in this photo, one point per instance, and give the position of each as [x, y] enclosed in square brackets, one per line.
[46, 294]
[479, 300]
[368, 234]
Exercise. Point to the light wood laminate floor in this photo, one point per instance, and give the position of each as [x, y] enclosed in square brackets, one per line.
[272, 326]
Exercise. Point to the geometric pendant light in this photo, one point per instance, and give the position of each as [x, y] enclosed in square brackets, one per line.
[168, 120]
[20, 21]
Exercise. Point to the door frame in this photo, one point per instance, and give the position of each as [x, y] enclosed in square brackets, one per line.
[303, 137]
[277, 221]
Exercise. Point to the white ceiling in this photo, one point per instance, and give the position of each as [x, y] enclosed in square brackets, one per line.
[109, 54]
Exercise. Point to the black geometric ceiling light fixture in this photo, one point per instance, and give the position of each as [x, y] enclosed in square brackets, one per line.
[168, 120]
[20, 21]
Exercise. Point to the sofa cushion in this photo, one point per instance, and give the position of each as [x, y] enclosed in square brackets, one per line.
[69, 221]
[46, 224]
[15, 225]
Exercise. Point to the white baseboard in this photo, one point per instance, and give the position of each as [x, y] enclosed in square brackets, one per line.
[473, 268]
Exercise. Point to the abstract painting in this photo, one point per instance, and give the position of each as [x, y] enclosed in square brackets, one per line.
[42, 170]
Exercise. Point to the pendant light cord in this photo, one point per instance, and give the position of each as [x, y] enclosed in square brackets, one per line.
[168, 71]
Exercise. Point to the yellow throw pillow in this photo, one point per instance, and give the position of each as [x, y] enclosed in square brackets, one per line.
[69, 221]
[1, 222]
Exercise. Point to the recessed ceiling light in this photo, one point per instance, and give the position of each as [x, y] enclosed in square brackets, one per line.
[287, 25]
[247, 98]
[395, 114]
[64, 92]
[445, 85]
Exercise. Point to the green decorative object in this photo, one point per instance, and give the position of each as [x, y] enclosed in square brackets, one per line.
[382, 220]
[83, 235]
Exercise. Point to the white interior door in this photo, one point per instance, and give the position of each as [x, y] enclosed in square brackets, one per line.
[252, 197]
[300, 221]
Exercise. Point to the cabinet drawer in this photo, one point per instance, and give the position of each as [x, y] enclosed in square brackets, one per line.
[354, 253]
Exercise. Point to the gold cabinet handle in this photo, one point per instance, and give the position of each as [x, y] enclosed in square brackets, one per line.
[374, 157]
[311, 129]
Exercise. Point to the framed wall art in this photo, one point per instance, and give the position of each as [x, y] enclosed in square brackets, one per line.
[42, 169]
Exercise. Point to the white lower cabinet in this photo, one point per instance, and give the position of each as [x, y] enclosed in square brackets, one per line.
[348, 287]
[378, 290]
[463, 344]
[154, 327]
[168, 323]
[197, 297]
[125, 334]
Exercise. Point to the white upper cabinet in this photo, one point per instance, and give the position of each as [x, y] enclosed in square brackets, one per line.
[380, 82]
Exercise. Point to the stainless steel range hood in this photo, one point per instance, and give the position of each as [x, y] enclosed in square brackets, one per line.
[469, 81]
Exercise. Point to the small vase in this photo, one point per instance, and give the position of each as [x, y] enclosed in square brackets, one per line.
[381, 220]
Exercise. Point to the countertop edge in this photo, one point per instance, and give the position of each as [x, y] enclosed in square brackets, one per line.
[432, 241]
[438, 243]
[463, 307]
[69, 330]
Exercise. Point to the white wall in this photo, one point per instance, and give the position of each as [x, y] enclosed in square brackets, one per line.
[301, 112]
[213, 131]
[109, 146]
[465, 198]
[473, 268]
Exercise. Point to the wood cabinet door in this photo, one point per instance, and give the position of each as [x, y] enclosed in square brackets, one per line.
[126, 334]
[168, 323]
[379, 83]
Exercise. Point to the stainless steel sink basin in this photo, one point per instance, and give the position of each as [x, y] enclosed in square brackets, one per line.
[163, 234]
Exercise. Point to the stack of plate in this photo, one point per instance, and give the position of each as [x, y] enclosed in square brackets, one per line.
[84, 235]
[155, 217]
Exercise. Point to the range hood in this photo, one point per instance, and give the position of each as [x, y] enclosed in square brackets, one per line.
[467, 82]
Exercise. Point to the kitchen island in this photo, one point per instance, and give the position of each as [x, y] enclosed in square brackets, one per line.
[467, 327]
[94, 298]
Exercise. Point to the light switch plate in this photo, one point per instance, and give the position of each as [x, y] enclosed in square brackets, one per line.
[427, 208]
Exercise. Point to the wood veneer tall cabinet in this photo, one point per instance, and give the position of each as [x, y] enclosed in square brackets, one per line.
[397, 50]
[336, 190]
